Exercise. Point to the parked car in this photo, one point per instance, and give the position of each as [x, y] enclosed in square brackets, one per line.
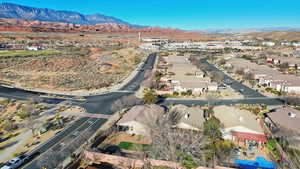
[16, 162]
[237, 152]
[228, 81]
[222, 86]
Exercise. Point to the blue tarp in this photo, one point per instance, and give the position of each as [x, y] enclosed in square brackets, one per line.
[260, 162]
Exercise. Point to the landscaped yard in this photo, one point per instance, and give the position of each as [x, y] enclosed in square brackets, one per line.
[27, 53]
[134, 146]
[271, 145]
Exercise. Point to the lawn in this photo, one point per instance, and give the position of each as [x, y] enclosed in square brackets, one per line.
[134, 146]
[27, 53]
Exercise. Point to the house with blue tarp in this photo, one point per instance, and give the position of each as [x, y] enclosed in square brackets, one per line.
[259, 163]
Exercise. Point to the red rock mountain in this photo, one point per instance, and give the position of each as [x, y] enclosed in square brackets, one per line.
[44, 26]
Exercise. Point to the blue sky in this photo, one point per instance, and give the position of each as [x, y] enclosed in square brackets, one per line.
[186, 14]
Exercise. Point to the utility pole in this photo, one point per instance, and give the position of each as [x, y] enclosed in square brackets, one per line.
[140, 38]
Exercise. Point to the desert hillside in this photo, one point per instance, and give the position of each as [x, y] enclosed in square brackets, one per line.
[69, 63]
[278, 35]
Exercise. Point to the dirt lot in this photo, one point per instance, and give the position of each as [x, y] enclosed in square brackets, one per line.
[73, 63]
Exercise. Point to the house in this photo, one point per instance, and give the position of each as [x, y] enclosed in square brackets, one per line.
[296, 44]
[285, 122]
[186, 76]
[135, 121]
[222, 86]
[273, 60]
[200, 74]
[192, 118]
[289, 84]
[15, 47]
[285, 43]
[240, 126]
[268, 44]
[35, 47]
[3, 46]
[212, 86]
[270, 77]
[196, 87]
[148, 46]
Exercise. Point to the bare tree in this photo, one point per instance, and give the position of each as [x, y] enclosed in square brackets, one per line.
[253, 83]
[149, 81]
[248, 76]
[172, 144]
[240, 71]
[221, 62]
[32, 125]
[124, 102]
[34, 99]
[211, 99]
[32, 121]
[50, 159]
[292, 99]
[217, 77]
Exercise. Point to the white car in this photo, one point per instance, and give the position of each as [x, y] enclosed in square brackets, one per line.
[15, 162]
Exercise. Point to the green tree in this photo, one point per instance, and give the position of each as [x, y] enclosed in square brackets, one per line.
[189, 162]
[189, 92]
[175, 93]
[9, 125]
[150, 97]
[137, 59]
[284, 66]
[23, 113]
[217, 149]
[212, 128]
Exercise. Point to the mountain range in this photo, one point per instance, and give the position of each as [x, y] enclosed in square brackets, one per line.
[14, 11]
[19, 15]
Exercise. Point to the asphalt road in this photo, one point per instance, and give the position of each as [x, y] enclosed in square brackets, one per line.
[247, 92]
[101, 104]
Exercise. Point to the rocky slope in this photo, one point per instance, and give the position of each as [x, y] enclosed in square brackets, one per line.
[21, 25]
[9, 10]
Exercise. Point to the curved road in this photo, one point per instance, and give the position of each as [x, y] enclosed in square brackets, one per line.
[100, 104]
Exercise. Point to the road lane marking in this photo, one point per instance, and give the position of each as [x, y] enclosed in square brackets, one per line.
[55, 143]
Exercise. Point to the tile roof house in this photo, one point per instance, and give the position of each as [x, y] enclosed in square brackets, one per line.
[135, 120]
[285, 122]
[192, 118]
[188, 77]
[269, 76]
[239, 125]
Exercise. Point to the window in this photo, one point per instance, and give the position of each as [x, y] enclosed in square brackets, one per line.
[187, 115]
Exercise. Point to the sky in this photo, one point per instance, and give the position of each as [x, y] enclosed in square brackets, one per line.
[186, 14]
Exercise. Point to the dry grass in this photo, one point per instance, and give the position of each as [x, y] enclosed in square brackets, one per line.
[73, 63]
[278, 35]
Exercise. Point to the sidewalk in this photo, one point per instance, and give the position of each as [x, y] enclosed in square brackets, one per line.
[113, 88]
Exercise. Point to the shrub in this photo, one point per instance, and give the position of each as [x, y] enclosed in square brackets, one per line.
[189, 92]
[23, 113]
[9, 125]
[150, 97]
[189, 162]
[175, 93]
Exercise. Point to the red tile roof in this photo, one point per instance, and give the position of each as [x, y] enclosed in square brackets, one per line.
[250, 136]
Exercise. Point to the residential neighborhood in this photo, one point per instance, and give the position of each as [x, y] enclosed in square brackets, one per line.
[149, 85]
